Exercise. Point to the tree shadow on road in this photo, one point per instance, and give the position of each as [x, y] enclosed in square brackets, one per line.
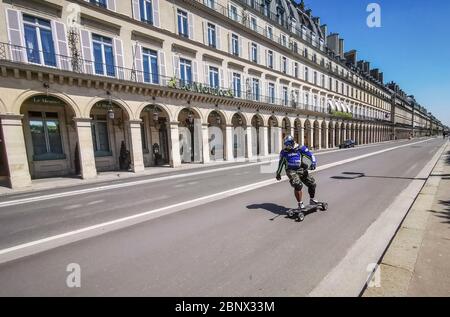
[353, 176]
[443, 214]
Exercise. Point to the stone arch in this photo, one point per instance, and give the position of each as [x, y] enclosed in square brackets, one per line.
[256, 122]
[217, 123]
[17, 105]
[239, 135]
[274, 134]
[123, 105]
[190, 135]
[163, 107]
[308, 141]
[298, 131]
[224, 115]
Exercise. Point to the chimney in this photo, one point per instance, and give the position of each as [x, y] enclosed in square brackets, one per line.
[350, 57]
[366, 67]
[375, 73]
[341, 48]
[324, 29]
[381, 78]
[360, 65]
[333, 43]
[316, 21]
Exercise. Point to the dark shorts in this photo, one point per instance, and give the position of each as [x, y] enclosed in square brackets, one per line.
[299, 177]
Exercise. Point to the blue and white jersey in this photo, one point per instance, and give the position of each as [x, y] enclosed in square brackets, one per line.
[299, 157]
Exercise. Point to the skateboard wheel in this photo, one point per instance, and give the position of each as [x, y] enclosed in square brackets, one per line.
[290, 214]
[301, 217]
[324, 206]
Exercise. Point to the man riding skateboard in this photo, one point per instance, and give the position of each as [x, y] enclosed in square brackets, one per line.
[295, 160]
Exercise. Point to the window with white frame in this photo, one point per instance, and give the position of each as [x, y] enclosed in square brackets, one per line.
[237, 85]
[254, 53]
[269, 32]
[212, 40]
[285, 96]
[284, 64]
[271, 92]
[269, 58]
[235, 44]
[150, 64]
[45, 135]
[103, 55]
[255, 89]
[213, 77]
[183, 24]
[146, 11]
[39, 43]
[233, 12]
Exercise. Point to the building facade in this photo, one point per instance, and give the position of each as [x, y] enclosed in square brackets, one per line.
[104, 85]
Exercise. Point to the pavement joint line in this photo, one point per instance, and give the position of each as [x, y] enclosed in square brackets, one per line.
[350, 275]
[41, 245]
[177, 176]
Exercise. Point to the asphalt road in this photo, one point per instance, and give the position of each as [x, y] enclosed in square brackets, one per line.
[237, 246]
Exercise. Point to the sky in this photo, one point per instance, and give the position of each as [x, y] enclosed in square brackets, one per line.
[412, 46]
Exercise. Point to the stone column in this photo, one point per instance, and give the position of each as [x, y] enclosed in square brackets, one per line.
[278, 140]
[301, 131]
[326, 134]
[333, 136]
[205, 143]
[16, 154]
[86, 148]
[229, 143]
[319, 138]
[174, 145]
[311, 136]
[249, 142]
[137, 156]
[263, 144]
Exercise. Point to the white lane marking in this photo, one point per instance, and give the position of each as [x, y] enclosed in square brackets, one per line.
[95, 202]
[72, 207]
[348, 278]
[41, 245]
[148, 181]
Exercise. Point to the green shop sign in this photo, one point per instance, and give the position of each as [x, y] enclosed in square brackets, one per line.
[341, 114]
[202, 89]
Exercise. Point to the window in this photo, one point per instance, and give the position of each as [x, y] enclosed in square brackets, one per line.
[284, 64]
[330, 84]
[337, 86]
[144, 138]
[306, 74]
[210, 3]
[237, 85]
[315, 78]
[285, 96]
[255, 89]
[146, 7]
[45, 136]
[253, 24]
[266, 5]
[103, 55]
[233, 13]
[183, 25]
[213, 77]
[235, 44]
[322, 81]
[270, 32]
[39, 41]
[100, 136]
[254, 52]
[211, 35]
[295, 70]
[270, 59]
[100, 3]
[271, 93]
[150, 63]
[185, 71]
[283, 40]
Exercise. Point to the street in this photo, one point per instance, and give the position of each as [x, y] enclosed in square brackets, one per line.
[238, 244]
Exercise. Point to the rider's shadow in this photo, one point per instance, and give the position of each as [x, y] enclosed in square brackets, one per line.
[273, 208]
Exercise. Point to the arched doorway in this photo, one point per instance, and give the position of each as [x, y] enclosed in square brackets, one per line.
[155, 136]
[273, 135]
[324, 141]
[257, 137]
[307, 138]
[50, 137]
[330, 135]
[216, 133]
[190, 136]
[285, 128]
[297, 132]
[110, 136]
[316, 141]
[343, 136]
[239, 136]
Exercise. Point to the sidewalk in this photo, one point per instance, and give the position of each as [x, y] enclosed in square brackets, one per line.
[417, 261]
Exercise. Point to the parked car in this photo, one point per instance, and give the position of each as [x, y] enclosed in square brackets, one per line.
[347, 144]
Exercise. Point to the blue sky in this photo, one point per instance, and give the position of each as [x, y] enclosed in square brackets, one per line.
[412, 47]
